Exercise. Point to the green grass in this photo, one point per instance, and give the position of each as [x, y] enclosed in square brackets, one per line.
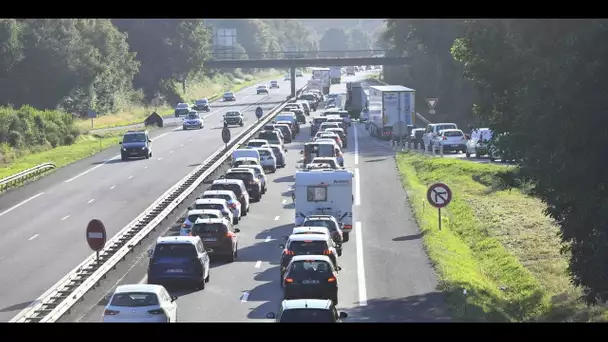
[497, 244]
[211, 90]
[85, 146]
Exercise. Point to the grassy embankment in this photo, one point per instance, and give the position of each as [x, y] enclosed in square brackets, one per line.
[495, 243]
[13, 160]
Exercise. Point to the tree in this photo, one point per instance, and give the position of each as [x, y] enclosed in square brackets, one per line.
[542, 82]
[11, 45]
[360, 40]
[334, 40]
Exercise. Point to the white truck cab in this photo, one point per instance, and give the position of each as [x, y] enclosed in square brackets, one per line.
[325, 192]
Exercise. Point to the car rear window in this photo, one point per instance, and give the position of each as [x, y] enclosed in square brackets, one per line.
[321, 223]
[299, 267]
[175, 250]
[244, 162]
[182, 110]
[134, 299]
[267, 136]
[257, 143]
[442, 127]
[284, 118]
[244, 176]
[201, 228]
[318, 121]
[308, 246]
[193, 218]
[226, 197]
[264, 153]
[209, 206]
[452, 134]
[307, 315]
[232, 187]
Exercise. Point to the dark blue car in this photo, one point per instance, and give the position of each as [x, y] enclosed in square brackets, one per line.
[135, 144]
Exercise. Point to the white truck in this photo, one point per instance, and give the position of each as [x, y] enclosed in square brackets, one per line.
[325, 192]
[335, 74]
[391, 110]
[322, 74]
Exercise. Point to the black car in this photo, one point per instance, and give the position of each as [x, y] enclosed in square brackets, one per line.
[307, 311]
[307, 244]
[311, 277]
[219, 237]
[315, 124]
[135, 144]
[300, 116]
[313, 101]
[331, 224]
[201, 105]
[251, 182]
[286, 130]
[234, 118]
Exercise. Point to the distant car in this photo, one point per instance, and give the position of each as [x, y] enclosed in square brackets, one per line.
[329, 222]
[311, 277]
[220, 237]
[182, 109]
[279, 153]
[307, 311]
[306, 245]
[229, 96]
[193, 120]
[451, 140]
[287, 78]
[252, 182]
[274, 84]
[135, 144]
[244, 161]
[202, 104]
[234, 117]
[255, 143]
[193, 215]
[262, 89]
[259, 172]
[299, 73]
[141, 303]
[214, 203]
[233, 203]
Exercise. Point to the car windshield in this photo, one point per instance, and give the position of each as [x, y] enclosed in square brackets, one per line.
[268, 136]
[307, 315]
[193, 218]
[321, 223]
[225, 197]
[232, 187]
[134, 299]
[201, 228]
[193, 116]
[131, 138]
[233, 114]
[203, 206]
[257, 143]
[228, 94]
[175, 250]
[244, 176]
[318, 121]
[182, 105]
[308, 246]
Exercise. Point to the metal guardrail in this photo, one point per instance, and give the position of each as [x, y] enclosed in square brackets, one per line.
[56, 301]
[23, 176]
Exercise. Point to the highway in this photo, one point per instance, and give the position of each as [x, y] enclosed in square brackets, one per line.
[386, 275]
[43, 223]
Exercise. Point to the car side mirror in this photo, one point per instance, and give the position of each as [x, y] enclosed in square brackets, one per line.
[310, 122]
[149, 140]
[150, 252]
[281, 246]
[301, 152]
[338, 268]
[271, 315]
[173, 298]
[236, 230]
[343, 315]
[189, 208]
[120, 143]
[285, 150]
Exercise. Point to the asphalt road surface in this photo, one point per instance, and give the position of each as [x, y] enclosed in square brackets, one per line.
[386, 275]
[43, 223]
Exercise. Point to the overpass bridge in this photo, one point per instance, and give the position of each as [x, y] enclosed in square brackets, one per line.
[293, 60]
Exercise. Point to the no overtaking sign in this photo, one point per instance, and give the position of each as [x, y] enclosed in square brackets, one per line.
[439, 195]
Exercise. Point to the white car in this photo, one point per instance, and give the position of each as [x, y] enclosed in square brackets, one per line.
[477, 144]
[214, 203]
[262, 89]
[279, 152]
[450, 140]
[268, 159]
[274, 84]
[141, 303]
[258, 171]
[233, 203]
[255, 143]
[329, 136]
[194, 215]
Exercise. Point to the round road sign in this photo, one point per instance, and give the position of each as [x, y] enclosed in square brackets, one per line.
[96, 235]
[259, 112]
[226, 135]
[439, 195]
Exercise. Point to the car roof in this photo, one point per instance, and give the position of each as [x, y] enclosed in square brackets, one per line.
[227, 181]
[320, 217]
[246, 159]
[210, 220]
[187, 240]
[200, 211]
[239, 169]
[311, 257]
[306, 304]
[138, 288]
[209, 200]
[307, 237]
[218, 192]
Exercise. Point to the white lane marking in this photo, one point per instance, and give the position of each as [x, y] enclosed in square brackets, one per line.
[91, 201]
[20, 204]
[276, 218]
[145, 167]
[356, 145]
[360, 266]
[160, 158]
[105, 162]
[170, 151]
[245, 297]
[258, 264]
[33, 237]
[190, 140]
[284, 202]
[112, 187]
[182, 145]
[145, 278]
[131, 176]
[357, 187]
[268, 238]
[65, 217]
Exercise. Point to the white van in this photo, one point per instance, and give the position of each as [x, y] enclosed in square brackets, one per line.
[325, 192]
[247, 153]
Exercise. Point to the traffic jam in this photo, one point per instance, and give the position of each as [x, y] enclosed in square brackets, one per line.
[323, 201]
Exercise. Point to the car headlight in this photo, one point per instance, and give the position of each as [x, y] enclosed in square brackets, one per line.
[124, 149]
[143, 148]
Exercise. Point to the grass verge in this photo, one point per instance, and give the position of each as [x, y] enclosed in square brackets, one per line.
[85, 146]
[495, 243]
[211, 89]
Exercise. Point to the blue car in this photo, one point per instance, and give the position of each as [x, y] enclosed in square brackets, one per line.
[193, 120]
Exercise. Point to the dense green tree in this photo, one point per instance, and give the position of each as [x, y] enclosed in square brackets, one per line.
[334, 40]
[360, 40]
[543, 82]
[11, 45]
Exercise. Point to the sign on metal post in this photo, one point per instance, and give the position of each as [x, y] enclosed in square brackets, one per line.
[91, 114]
[259, 112]
[226, 135]
[96, 236]
[432, 102]
[439, 196]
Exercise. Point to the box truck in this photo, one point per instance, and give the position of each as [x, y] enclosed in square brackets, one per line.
[391, 110]
[335, 73]
[356, 100]
[323, 75]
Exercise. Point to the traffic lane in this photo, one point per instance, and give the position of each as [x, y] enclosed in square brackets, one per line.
[115, 207]
[226, 296]
[401, 281]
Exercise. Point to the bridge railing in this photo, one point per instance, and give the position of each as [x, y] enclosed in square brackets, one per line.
[228, 54]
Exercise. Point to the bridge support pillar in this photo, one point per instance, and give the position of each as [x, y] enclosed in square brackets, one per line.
[292, 76]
